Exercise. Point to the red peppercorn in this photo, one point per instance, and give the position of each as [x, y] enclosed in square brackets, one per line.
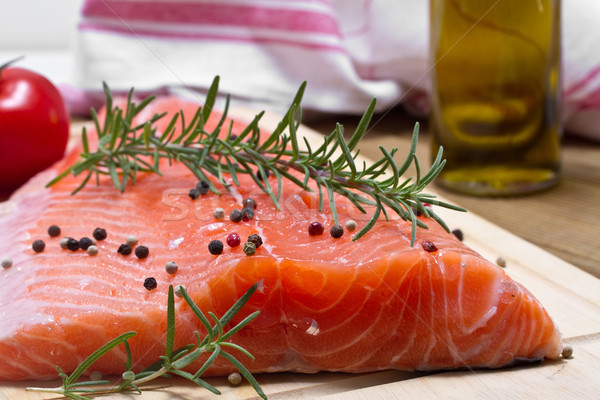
[428, 246]
[315, 228]
[233, 240]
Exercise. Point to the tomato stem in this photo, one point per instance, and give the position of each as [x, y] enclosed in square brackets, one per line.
[14, 60]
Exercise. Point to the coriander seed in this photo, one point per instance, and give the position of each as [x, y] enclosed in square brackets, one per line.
[567, 352]
[63, 243]
[171, 267]
[249, 248]
[177, 290]
[219, 213]
[53, 231]
[38, 246]
[501, 261]
[215, 247]
[141, 252]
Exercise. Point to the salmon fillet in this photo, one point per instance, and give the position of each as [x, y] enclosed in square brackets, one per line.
[325, 304]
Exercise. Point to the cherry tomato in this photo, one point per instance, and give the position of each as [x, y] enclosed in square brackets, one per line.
[34, 126]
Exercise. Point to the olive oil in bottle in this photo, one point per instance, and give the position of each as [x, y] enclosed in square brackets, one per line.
[495, 103]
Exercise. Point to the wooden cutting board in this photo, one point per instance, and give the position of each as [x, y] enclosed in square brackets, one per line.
[571, 296]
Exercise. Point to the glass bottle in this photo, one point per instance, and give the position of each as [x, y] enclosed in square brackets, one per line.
[495, 102]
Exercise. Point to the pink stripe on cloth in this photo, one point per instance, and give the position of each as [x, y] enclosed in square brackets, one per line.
[129, 30]
[182, 12]
[581, 84]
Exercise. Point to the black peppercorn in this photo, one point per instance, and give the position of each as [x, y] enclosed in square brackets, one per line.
[249, 203]
[428, 246]
[85, 242]
[459, 234]
[256, 239]
[72, 244]
[124, 249]
[247, 214]
[215, 247]
[53, 231]
[202, 187]
[99, 234]
[236, 215]
[260, 177]
[38, 246]
[194, 193]
[315, 228]
[336, 231]
[141, 252]
[150, 283]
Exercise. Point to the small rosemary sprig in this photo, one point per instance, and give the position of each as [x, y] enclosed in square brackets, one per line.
[173, 362]
[124, 149]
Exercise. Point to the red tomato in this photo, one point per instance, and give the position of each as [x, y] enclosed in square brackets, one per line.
[34, 126]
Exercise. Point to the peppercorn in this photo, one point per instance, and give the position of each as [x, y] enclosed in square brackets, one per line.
[92, 250]
[215, 247]
[259, 174]
[501, 261]
[418, 212]
[567, 351]
[202, 187]
[141, 252]
[84, 243]
[72, 244]
[150, 283]
[38, 246]
[428, 246]
[194, 193]
[459, 234]
[249, 203]
[7, 262]
[350, 225]
[99, 234]
[236, 215]
[257, 240]
[336, 231]
[124, 249]
[63, 242]
[53, 231]
[249, 248]
[171, 267]
[247, 214]
[315, 228]
[235, 378]
[95, 376]
[219, 213]
[131, 240]
[177, 290]
[233, 240]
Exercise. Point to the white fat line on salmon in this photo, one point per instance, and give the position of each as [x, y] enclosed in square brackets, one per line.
[261, 233]
[174, 243]
[235, 193]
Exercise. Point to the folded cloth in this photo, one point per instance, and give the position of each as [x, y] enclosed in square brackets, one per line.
[348, 51]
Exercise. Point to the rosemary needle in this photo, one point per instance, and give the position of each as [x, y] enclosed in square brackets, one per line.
[125, 149]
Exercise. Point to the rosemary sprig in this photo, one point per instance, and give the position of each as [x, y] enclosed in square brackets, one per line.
[124, 149]
[173, 362]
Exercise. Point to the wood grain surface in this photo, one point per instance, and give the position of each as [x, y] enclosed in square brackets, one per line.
[571, 296]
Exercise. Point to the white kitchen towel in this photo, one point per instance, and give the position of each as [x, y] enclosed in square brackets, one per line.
[348, 51]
